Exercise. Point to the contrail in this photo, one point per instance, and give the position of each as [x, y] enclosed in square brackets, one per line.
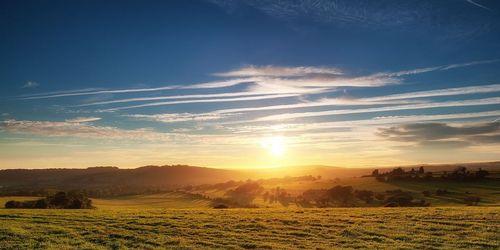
[478, 5]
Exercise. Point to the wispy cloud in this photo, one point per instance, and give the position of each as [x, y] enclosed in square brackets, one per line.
[350, 124]
[478, 5]
[272, 80]
[439, 92]
[276, 71]
[178, 117]
[83, 119]
[218, 84]
[475, 102]
[78, 129]
[30, 84]
[442, 134]
[204, 96]
[403, 98]
[251, 98]
[401, 15]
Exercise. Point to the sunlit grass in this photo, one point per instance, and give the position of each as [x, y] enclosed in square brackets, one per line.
[407, 228]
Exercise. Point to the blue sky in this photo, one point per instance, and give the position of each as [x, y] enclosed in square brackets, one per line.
[231, 83]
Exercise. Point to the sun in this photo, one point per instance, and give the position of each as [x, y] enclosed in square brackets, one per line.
[274, 145]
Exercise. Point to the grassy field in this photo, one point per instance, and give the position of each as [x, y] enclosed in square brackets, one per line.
[183, 221]
[404, 228]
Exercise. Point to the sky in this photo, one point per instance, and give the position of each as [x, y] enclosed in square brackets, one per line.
[248, 84]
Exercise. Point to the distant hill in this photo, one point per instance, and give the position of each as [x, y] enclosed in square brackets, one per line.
[97, 177]
[169, 177]
[332, 172]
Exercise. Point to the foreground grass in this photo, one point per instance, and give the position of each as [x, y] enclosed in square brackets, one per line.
[404, 228]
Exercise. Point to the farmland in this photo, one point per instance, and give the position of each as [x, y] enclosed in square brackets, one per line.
[465, 227]
[184, 219]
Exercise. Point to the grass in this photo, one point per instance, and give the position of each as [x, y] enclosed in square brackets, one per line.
[403, 228]
[178, 220]
[163, 200]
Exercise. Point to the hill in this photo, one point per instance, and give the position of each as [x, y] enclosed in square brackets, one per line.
[110, 181]
[116, 180]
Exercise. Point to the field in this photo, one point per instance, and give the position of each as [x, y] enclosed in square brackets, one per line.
[404, 228]
[180, 220]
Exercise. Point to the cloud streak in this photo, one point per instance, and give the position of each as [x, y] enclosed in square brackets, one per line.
[379, 120]
[78, 129]
[396, 99]
[83, 119]
[30, 84]
[475, 102]
[251, 98]
[275, 79]
[442, 134]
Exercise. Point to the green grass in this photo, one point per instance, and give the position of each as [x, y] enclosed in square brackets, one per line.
[487, 190]
[181, 221]
[163, 200]
[403, 228]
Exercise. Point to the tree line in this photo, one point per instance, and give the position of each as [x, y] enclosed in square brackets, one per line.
[459, 174]
[60, 200]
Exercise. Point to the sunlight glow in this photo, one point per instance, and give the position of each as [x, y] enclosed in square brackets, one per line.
[274, 145]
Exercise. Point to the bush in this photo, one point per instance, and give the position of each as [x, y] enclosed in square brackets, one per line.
[391, 204]
[13, 204]
[364, 195]
[380, 196]
[221, 206]
[472, 200]
[404, 199]
[342, 194]
[442, 192]
[61, 200]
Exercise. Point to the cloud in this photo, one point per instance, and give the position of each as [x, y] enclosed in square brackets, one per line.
[89, 131]
[440, 92]
[276, 71]
[79, 129]
[178, 117]
[443, 134]
[270, 80]
[379, 120]
[204, 96]
[30, 84]
[217, 84]
[395, 99]
[83, 119]
[440, 18]
[478, 5]
[474, 102]
[378, 100]
[251, 98]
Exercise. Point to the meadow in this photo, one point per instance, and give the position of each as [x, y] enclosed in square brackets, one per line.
[402, 228]
[182, 220]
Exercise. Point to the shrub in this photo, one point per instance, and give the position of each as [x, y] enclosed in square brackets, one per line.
[221, 206]
[342, 194]
[472, 200]
[442, 192]
[61, 200]
[364, 195]
[380, 196]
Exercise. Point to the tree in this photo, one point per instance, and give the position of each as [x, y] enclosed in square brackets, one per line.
[245, 193]
[364, 195]
[421, 170]
[480, 174]
[343, 194]
[472, 200]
